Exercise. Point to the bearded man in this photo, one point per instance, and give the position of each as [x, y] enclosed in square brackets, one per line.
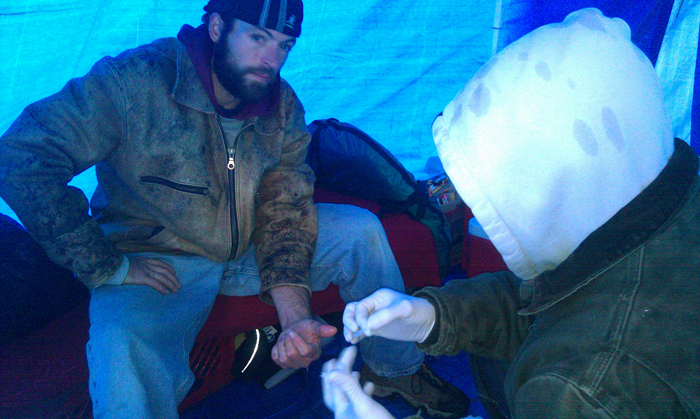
[199, 148]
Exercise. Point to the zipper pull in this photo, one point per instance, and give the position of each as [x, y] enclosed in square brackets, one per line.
[231, 164]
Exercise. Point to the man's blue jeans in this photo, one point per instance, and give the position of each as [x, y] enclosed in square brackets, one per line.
[140, 340]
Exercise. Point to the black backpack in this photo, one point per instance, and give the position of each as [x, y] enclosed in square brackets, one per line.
[348, 161]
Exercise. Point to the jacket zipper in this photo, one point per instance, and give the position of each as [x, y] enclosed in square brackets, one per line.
[230, 166]
[231, 162]
[232, 182]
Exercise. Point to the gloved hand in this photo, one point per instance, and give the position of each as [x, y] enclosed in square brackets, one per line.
[389, 314]
[342, 393]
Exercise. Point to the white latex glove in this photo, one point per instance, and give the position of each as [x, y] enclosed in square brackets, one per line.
[389, 314]
[343, 394]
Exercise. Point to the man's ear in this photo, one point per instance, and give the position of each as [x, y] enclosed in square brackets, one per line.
[216, 26]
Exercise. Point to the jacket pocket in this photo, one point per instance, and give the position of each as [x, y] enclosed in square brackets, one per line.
[196, 190]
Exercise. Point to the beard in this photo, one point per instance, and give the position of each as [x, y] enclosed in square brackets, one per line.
[232, 77]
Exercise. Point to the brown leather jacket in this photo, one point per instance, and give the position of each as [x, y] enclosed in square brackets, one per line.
[145, 121]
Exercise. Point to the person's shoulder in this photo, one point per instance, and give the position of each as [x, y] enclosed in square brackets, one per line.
[288, 96]
[157, 59]
[163, 48]
[286, 88]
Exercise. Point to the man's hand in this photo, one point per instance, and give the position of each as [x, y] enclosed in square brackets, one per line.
[300, 341]
[389, 314]
[152, 272]
[342, 392]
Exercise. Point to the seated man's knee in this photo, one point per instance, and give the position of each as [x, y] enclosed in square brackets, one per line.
[115, 335]
[356, 224]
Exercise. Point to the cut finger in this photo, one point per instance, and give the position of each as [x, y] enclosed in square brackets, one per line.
[289, 355]
[304, 348]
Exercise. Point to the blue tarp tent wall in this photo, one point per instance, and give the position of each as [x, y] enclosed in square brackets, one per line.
[386, 66]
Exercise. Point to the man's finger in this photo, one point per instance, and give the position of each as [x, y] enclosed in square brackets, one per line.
[156, 285]
[275, 354]
[169, 282]
[303, 348]
[160, 266]
[152, 272]
[289, 355]
[162, 271]
[280, 357]
[325, 330]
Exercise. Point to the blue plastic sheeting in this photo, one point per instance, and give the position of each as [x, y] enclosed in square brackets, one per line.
[389, 67]
[386, 66]
[678, 70]
[695, 110]
[647, 19]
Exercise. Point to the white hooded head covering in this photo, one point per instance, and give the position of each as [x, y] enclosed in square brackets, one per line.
[553, 136]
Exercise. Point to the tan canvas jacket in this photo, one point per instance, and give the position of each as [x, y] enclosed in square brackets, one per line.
[145, 121]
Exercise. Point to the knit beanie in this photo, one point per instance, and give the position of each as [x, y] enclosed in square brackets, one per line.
[283, 16]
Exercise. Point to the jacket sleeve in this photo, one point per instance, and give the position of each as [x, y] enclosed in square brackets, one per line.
[286, 223]
[478, 315]
[50, 142]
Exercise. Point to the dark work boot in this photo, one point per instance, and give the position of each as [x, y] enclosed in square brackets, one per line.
[422, 390]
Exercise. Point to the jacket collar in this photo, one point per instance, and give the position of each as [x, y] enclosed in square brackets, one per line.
[631, 227]
[194, 86]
